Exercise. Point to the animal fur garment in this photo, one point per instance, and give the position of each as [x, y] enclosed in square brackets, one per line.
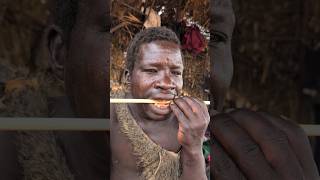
[154, 162]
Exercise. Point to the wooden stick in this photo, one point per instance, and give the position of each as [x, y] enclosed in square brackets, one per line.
[146, 101]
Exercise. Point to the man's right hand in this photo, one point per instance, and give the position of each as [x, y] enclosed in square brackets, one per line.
[258, 146]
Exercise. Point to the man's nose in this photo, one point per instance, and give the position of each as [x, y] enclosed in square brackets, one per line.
[165, 82]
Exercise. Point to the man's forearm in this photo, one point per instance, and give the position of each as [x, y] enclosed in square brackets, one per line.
[193, 166]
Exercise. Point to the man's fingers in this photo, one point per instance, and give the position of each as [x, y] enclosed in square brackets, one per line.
[183, 121]
[273, 143]
[221, 166]
[203, 108]
[185, 108]
[241, 147]
[299, 143]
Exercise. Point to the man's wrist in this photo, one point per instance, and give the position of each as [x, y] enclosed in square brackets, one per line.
[194, 155]
[194, 151]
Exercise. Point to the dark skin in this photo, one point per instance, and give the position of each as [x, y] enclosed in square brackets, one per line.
[249, 145]
[157, 74]
[83, 61]
[246, 144]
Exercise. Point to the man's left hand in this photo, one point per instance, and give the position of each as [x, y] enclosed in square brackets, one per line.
[193, 118]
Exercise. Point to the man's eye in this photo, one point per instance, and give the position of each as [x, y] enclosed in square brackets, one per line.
[178, 73]
[217, 36]
[150, 70]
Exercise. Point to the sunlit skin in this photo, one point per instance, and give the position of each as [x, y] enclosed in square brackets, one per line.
[157, 74]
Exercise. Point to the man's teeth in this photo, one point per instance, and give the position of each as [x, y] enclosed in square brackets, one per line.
[162, 104]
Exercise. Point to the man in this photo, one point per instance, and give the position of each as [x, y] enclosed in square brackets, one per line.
[78, 47]
[157, 141]
[79, 52]
[246, 144]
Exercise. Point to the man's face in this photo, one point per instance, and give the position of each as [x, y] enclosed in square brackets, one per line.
[222, 25]
[86, 66]
[157, 74]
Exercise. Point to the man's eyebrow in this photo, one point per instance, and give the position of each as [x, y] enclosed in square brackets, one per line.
[172, 66]
[152, 64]
[176, 66]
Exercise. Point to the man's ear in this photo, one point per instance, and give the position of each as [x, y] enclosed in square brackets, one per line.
[57, 50]
[126, 76]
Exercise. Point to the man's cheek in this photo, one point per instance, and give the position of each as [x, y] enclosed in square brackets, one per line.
[179, 83]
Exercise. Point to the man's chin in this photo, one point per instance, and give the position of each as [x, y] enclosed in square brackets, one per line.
[157, 112]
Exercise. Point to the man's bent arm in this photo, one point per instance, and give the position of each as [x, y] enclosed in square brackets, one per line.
[193, 165]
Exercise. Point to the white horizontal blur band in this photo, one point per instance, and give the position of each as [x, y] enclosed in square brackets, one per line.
[84, 124]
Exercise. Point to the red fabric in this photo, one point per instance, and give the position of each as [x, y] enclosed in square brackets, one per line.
[193, 40]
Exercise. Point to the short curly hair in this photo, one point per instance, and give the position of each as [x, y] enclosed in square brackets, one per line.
[147, 36]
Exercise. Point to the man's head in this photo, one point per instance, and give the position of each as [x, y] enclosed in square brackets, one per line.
[147, 36]
[79, 53]
[154, 60]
